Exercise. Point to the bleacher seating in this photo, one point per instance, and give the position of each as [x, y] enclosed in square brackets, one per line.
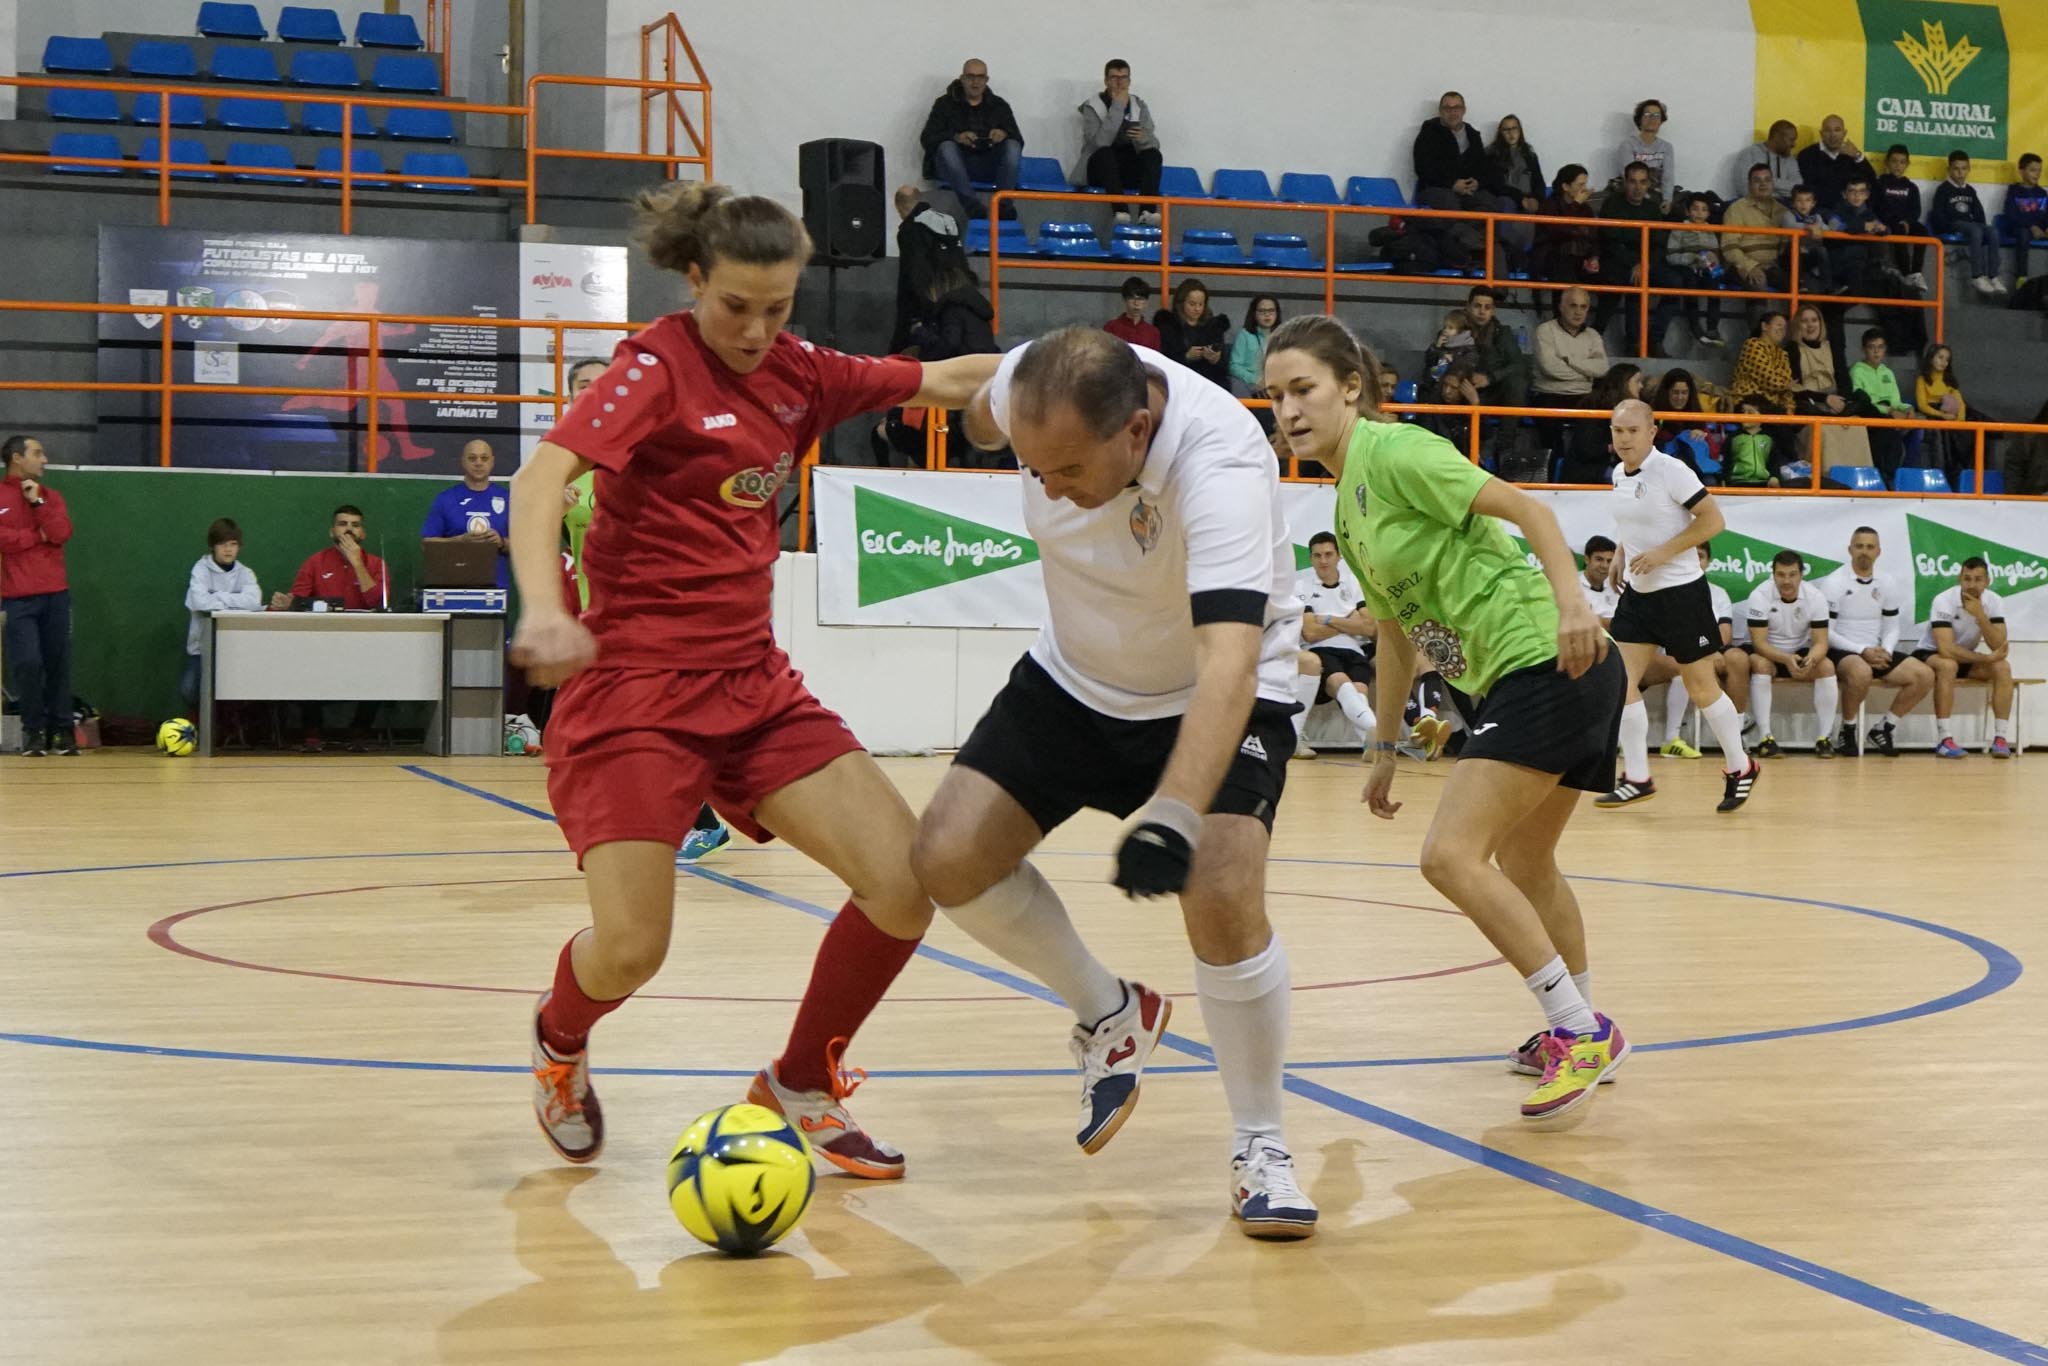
[324, 120]
[257, 116]
[327, 70]
[268, 155]
[190, 150]
[1181, 182]
[1994, 481]
[1231, 183]
[387, 30]
[1071, 240]
[1209, 247]
[360, 160]
[1014, 239]
[436, 163]
[100, 145]
[85, 106]
[407, 75]
[420, 125]
[1135, 243]
[1862, 478]
[1374, 192]
[186, 110]
[1282, 251]
[249, 65]
[1297, 187]
[173, 61]
[1042, 174]
[78, 57]
[301, 24]
[1918, 479]
[218, 20]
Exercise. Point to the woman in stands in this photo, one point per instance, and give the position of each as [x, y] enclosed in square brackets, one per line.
[1521, 178]
[673, 687]
[1569, 253]
[1452, 586]
[1192, 335]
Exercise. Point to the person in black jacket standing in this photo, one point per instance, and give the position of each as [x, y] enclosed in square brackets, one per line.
[971, 135]
[1452, 171]
[927, 243]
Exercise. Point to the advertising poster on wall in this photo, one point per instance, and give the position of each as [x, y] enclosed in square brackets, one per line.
[562, 280]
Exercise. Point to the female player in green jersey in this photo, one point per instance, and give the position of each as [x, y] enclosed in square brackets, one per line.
[1421, 527]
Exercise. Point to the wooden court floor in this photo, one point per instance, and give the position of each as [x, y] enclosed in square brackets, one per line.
[263, 1022]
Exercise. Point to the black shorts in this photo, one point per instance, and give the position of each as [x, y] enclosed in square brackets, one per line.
[1680, 621]
[1538, 718]
[1962, 670]
[1353, 664]
[1876, 670]
[1779, 671]
[1055, 754]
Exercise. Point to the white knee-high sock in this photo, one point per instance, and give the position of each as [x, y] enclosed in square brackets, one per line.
[1022, 921]
[1726, 723]
[1675, 700]
[1827, 700]
[1355, 709]
[1307, 688]
[1244, 1008]
[1760, 702]
[1584, 982]
[1635, 742]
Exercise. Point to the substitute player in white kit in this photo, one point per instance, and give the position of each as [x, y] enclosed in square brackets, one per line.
[1162, 683]
[1788, 638]
[1338, 633]
[1864, 616]
[1661, 513]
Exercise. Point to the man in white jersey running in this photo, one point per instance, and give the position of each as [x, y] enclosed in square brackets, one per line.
[1161, 684]
[1788, 638]
[1963, 618]
[1338, 632]
[1864, 615]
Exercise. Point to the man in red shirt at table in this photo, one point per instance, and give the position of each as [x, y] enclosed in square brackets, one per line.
[347, 578]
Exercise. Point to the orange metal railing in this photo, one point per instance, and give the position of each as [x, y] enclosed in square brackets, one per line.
[671, 159]
[1329, 274]
[440, 26]
[675, 43]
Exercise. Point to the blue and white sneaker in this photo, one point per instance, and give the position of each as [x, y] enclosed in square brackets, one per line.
[1949, 749]
[1264, 1195]
[701, 844]
[1112, 1059]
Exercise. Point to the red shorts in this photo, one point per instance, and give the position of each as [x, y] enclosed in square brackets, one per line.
[632, 753]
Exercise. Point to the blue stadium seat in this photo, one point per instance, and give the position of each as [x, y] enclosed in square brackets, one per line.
[1408, 391]
[1365, 267]
[302, 24]
[152, 58]
[325, 120]
[1374, 192]
[1209, 246]
[1042, 173]
[85, 106]
[1074, 240]
[1136, 244]
[1237, 184]
[190, 150]
[251, 65]
[218, 20]
[1911, 479]
[1282, 251]
[420, 125]
[78, 56]
[255, 116]
[1015, 241]
[1862, 478]
[329, 70]
[387, 30]
[85, 145]
[186, 111]
[268, 155]
[407, 75]
[1297, 187]
[1181, 182]
[436, 163]
[361, 160]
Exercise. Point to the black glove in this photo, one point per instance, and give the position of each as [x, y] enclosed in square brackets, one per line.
[1155, 856]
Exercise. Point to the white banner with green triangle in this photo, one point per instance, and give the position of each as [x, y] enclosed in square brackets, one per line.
[918, 548]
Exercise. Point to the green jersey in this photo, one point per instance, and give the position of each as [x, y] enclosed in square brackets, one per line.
[577, 519]
[1453, 580]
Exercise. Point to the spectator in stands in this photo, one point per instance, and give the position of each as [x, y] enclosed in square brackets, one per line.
[473, 510]
[1501, 372]
[219, 582]
[1896, 200]
[1864, 616]
[36, 596]
[1752, 452]
[1570, 359]
[1622, 261]
[1678, 392]
[1832, 162]
[1820, 386]
[1815, 271]
[1957, 212]
[1192, 335]
[1692, 258]
[1788, 638]
[1119, 145]
[1248, 351]
[1762, 370]
[1517, 170]
[1446, 375]
[1961, 619]
[348, 578]
[1774, 154]
[2026, 465]
[1452, 171]
[1938, 396]
[1131, 324]
[2026, 210]
[1860, 268]
[1569, 253]
[925, 238]
[971, 135]
[961, 318]
[1756, 260]
[1647, 147]
[1872, 379]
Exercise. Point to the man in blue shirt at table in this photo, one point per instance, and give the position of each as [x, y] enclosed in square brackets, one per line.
[473, 510]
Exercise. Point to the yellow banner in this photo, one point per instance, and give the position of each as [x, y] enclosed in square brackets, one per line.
[1936, 75]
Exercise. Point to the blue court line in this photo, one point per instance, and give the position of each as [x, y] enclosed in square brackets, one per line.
[270, 858]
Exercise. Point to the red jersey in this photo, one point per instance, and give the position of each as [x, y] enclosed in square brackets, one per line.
[690, 457]
[1136, 333]
[32, 537]
[329, 575]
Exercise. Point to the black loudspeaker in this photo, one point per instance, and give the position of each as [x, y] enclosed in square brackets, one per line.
[845, 205]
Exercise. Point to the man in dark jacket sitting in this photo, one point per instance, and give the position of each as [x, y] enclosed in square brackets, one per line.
[1452, 171]
[971, 135]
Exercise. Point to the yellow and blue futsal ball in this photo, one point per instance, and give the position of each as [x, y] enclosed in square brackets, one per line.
[740, 1178]
[177, 738]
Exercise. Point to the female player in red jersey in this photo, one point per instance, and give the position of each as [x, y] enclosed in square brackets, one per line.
[675, 689]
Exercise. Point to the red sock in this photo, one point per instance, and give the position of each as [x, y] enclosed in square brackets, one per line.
[566, 1019]
[854, 967]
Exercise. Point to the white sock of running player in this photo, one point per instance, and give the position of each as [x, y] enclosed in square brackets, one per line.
[1726, 723]
[1635, 742]
[1559, 996]
[1244, 1008]
[1675, 701]
[1022, 921]
[1827, 701]
[1307, 688]
[1584, 982]
[2001, 729]
[1356, 711]
[1760, 702]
